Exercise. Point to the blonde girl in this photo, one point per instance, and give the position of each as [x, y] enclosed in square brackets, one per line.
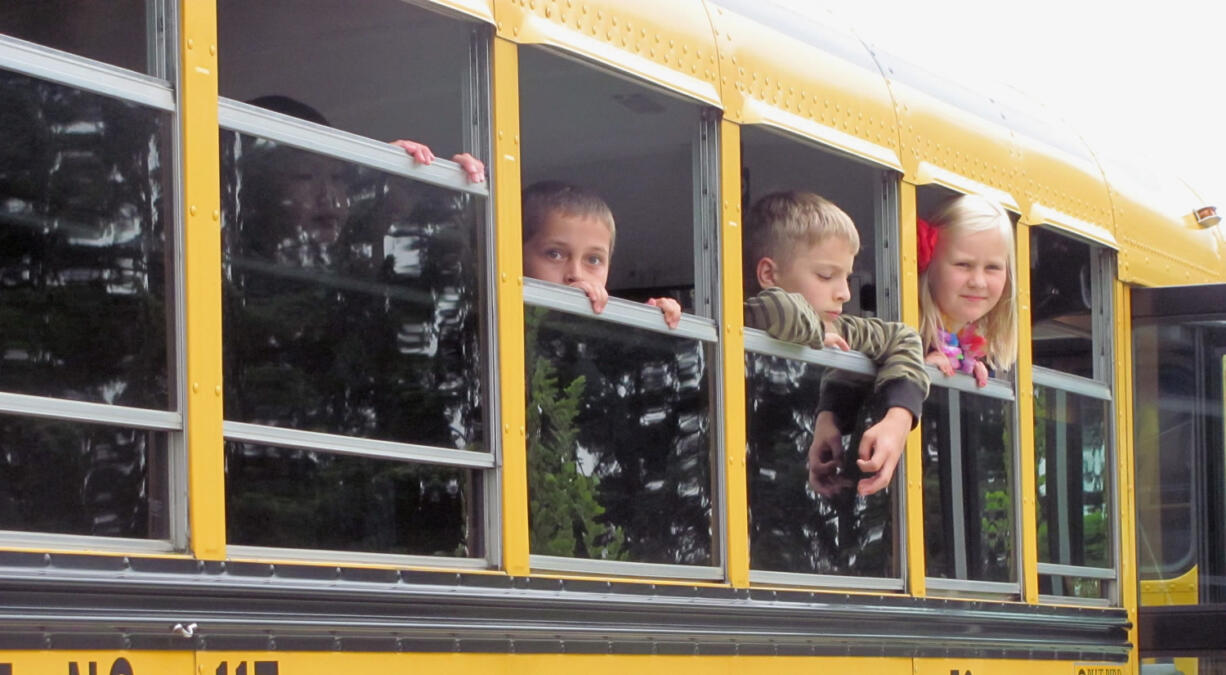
[967, 297]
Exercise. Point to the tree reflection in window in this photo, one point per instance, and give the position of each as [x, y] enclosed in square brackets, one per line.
[619, 442]
[792, 528]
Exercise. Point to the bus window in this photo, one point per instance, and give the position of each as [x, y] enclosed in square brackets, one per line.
[619, 447]
[819, 527]
[379, 68]
[620, 408]
[1061, 295]
[970, 480]
[772, 162]
[796, 526]
[86, 310]
[63, 477]
[1070, 301]
[970, 532]
[125, 33]
[635, 147]
[1072, 462]
[301, 499]
[353, 335]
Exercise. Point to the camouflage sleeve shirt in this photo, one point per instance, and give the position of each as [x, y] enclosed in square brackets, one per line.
[895, 348]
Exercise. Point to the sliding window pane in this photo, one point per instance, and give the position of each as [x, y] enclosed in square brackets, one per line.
[85, 201]
[351, 299]
[303, 499]
[796, 526]
[62, 477]
[619, 442]
[117, 32]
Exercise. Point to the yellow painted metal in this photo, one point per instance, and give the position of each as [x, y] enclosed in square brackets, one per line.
[1027, 482]
[1125, 463]
[202, 278]
[1009, 666]
[667, 43]
[509, 295]
[916, 563]
[777, 80]
[1160, 242]
[949, 146]
[477, 9]
[735, 487]
[1180, 590]
[100, 662]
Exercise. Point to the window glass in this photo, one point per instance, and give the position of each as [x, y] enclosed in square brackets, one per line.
[772, 162]
[793, 525]
[1061, 295]
[116, 31]
[632, 145]
[314, 500]
[619, 442]
[85, 203]
[351, 299]
[379, 68]
[1166, 431]
[969, 492]
[84, 479]
[1074, 480]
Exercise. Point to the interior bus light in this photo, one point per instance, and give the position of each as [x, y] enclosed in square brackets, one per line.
[1207, 216]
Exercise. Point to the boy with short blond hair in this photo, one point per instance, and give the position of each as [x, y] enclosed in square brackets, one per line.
[799, 252]
[568, 239]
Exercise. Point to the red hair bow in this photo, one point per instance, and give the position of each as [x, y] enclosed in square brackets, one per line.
[926, 243]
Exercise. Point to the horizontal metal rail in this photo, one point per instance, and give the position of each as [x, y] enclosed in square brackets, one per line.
[635, 314]
[349, 445]
[94, 413]
[53, 65]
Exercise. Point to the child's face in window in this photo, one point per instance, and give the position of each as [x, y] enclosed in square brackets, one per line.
[819, 273]
[314, 196]
[569, 249]
[968, 274]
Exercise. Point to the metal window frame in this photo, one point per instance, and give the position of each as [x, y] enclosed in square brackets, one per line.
[343, 145]
[95, 413]
[1100, 387]
[888, 263]
[78, 72]
[338, 444]
[240, 552]
[760, 342]
[996, 387]
[960, 586]
[550, 563]
[561, 298]
[827, 581]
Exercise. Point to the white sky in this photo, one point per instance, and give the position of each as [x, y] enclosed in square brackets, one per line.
[1149, 76]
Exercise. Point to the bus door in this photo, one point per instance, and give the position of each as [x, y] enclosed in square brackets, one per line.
[1179, 365]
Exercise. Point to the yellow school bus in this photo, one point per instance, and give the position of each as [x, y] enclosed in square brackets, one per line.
[276, 398]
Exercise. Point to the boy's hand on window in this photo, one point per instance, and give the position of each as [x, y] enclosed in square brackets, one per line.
[941, 361]
[418, 151]
[594, 292]
[981, 374]
[472, 166]
[880, 449]
[671, 309]
[824, 455]
[833, 339]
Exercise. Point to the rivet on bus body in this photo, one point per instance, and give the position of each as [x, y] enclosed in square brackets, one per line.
[504, 276]
[217, 390]
[190, 43]
[216, 215]
[191, 210]
[213, 50]
[195, 387]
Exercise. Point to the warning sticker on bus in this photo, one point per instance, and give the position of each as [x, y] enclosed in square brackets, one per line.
[1098, 669]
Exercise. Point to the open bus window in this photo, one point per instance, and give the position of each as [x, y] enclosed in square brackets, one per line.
[772, 162]
[793, 526]
[351, 299]
[635, 147]
[379, 68]
[124, 33]
[63, 477]
[619, 442]
[301, 499]
[1072, 460]
[1061, 298]
[970, 532]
